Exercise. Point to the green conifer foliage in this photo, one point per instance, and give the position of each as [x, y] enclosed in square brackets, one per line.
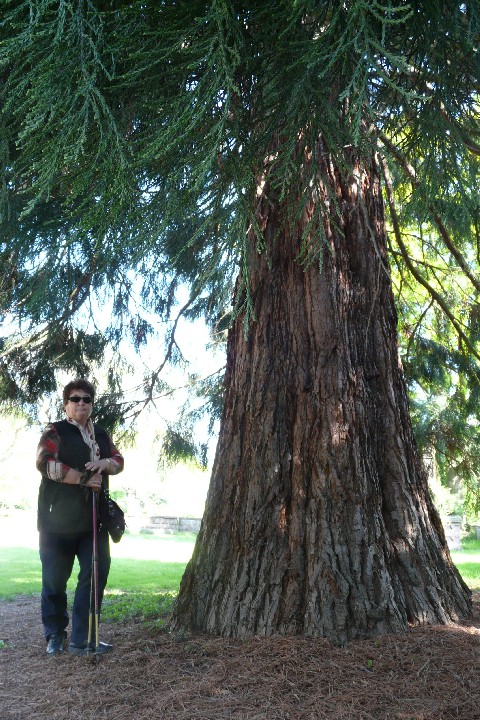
[133, 135]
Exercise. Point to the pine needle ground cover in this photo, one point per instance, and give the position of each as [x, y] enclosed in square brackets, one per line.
[428, 673]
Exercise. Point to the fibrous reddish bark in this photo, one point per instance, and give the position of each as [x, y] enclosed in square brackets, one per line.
[318, 518]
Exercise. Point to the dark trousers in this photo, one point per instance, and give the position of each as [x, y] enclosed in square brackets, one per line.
[57, 554]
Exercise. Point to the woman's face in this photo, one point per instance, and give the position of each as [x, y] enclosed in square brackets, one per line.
[79, 406]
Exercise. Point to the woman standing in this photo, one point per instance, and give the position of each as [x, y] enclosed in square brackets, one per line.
[74, 457]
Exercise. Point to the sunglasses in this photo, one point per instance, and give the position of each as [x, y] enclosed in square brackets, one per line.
[76, 399]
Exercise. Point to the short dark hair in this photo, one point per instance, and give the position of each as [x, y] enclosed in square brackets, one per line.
[78, 385]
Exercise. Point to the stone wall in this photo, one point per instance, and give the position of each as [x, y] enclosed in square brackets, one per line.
[452, 524]
[167, 524]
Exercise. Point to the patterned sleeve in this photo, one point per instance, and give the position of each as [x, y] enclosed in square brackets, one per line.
[47, 455]
[115, 461]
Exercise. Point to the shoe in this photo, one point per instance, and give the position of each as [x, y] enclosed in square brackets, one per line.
[55, 643]
[101, 649]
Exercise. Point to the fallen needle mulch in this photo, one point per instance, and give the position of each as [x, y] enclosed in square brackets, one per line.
[429, 673]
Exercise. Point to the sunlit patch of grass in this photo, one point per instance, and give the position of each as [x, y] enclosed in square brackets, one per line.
[471, 575]
[467, 561]
[145, 575]
[471, 546]
[144, 606]
[20, 572]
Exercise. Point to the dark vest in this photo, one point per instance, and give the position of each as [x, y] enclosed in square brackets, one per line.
[68, 508]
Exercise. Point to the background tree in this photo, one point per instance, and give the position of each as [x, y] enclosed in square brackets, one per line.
[151, 144]
[442, 375]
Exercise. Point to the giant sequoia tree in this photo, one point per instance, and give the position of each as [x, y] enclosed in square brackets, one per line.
[147, 144]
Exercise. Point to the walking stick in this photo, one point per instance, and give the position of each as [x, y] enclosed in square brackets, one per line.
[93, 618]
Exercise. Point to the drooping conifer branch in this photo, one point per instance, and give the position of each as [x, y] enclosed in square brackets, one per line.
[416, 274]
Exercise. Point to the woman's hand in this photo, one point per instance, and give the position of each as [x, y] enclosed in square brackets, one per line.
[94, 482]
[98, 466]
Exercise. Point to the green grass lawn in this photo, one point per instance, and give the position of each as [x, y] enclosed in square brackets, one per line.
[139, 563]
[467, 561]
[146, 572]
[143, 582]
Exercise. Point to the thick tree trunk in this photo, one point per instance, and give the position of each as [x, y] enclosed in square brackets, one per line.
[318, 518]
